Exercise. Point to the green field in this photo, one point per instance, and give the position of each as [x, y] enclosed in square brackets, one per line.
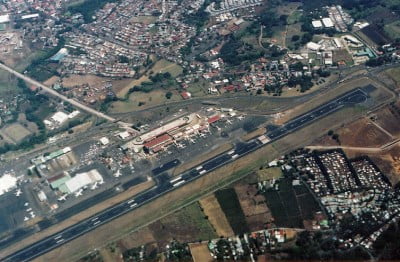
[290, 205]
[15, 132]
[393, 30]
[230, 205]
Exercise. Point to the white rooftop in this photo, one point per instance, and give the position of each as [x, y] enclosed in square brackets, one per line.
[59, 117]
[83, 179]
[4, 19]
[317, 24]
[7, 182]
[327, 22]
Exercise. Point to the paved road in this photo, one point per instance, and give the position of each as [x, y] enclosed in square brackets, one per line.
[353, 97]
[56, 94]
[242, 149]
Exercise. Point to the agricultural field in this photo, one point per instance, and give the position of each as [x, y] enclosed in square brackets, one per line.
[376, 35]
[253, 205]
[186, 225]
[216, 216]
[200, 252]
[393, 30]
[230, 205]
[290, 205]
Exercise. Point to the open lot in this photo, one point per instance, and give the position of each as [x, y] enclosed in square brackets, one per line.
[393, 29]
[269, 173]
[253, 205]
[230, 205]
[200, 252]
[186, 225]
[163, 66]
[15, 133]
[142, 100]
[389, 118]
[216, 216]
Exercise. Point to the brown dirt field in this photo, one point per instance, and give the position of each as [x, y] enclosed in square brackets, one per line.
[52, 80]
[138, 238]
[389, 120]
[186, 225]
[362, 133]
[216, 216]
[200, 159]
[87, 213]
[254, 207]
[109, 256]
[200, 252]
[389, 163]
[254, 134]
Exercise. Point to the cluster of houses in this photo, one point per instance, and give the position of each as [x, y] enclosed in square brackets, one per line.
[354, 189]
[250, 246]
[228, 6]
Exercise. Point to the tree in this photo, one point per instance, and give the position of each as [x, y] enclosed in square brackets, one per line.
[168, 95]
[295, 38]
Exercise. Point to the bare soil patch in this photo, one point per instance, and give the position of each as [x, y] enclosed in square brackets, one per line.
[200, 252]
[216, 216]
[253, 205]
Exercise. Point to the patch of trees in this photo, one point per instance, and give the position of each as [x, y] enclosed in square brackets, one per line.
[88, 8]
[234, 52]
[304, 82]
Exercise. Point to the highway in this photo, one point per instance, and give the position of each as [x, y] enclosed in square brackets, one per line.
[56, 94]
[242, 149]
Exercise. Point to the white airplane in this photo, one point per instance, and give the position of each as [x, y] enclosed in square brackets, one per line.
[79, 193]
[26, 204]
[26, 218]
[117, 174]
[229, 122]
[94, 186]
[240, 117]
[32, 214]
[202, 135]
[62, 198]
[18, 193]
[101, 182]
[29, 210]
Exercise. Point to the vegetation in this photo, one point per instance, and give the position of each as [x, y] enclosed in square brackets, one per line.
[88, 8]
[235, 52]
[230, 205]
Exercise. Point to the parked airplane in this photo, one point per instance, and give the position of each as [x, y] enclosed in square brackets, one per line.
[229, 122]
[32, 214]
[94, 186]
[18, 193]
[26, 218]
[240, 117]
[117, 174]
[62, 198]
[101, 182]
[79, 193]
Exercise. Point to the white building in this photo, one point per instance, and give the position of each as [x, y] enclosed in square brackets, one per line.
[82, 180]
[7, 183]
[327, 22]
[59, 117]
[317, 24]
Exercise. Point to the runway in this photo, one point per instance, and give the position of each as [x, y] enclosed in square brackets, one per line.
[45, 245]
